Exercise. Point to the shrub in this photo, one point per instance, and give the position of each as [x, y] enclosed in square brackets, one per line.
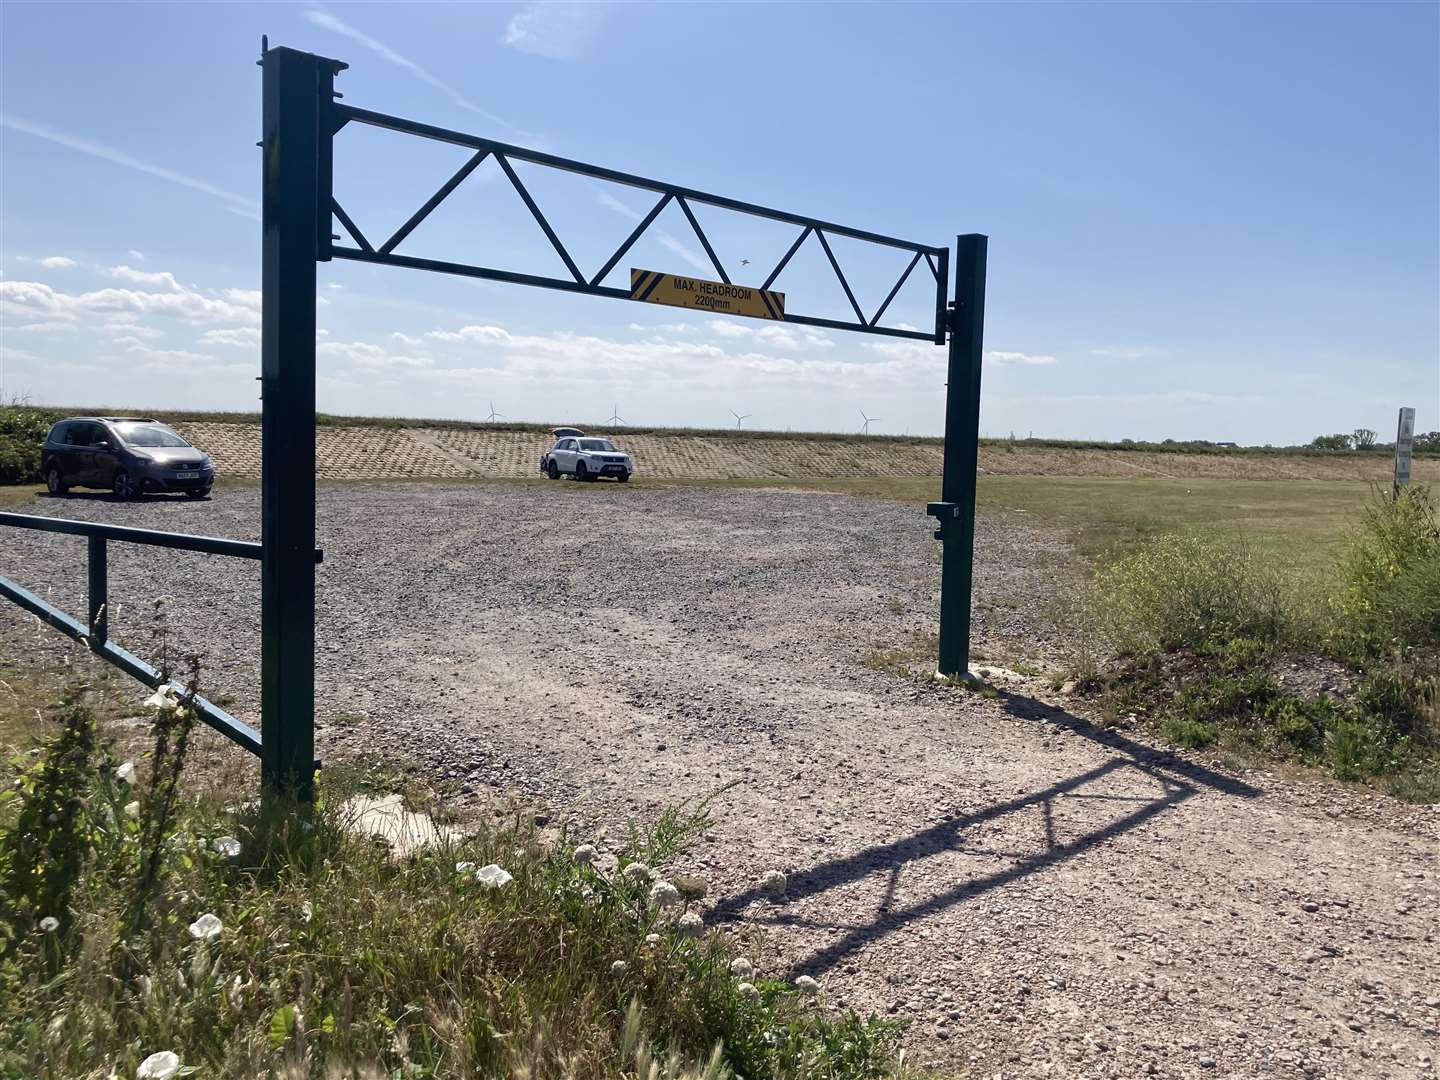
[1391, 574]
[22, 430]
[1187, 592]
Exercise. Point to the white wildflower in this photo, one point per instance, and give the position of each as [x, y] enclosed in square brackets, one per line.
[690, 925]
[774, 883]
[636, 871]
[807, 985]
[159, 1066]
[664, 894]
[126, 773]
[585, 854]
[618, 968]
[142, 983]
[307, 911]
[227, 846]
[748, 990]
[492, 877]
[464, 867]
[49, 924]
[652, 940]
[167, 697]
[132, 808]
[206, 927]
[741, 968]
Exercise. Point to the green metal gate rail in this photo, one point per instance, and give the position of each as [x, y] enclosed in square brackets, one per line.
[94, 632]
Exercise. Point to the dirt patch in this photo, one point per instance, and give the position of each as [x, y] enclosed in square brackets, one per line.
[1037, 896]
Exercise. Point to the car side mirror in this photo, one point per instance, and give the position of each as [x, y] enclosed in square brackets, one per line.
[103, 444]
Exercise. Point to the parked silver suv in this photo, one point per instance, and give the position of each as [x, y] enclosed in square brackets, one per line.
[129, 455]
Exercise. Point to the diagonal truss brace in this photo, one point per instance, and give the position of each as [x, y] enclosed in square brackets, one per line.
[936, 258]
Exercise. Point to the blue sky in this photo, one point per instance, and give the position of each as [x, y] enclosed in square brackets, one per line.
[1209, 221]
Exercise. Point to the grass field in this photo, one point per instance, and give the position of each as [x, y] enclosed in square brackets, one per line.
[1298, 522]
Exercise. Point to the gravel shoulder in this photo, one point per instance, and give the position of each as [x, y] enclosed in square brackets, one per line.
[1036, 896]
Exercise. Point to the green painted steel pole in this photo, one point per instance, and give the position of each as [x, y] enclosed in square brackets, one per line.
[962, 448]
[298, 103]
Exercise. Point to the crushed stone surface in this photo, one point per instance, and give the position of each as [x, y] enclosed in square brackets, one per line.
[1035, 896]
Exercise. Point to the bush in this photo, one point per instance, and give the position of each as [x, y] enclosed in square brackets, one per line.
[1391, 575]
[1187, 592]
[22, 431]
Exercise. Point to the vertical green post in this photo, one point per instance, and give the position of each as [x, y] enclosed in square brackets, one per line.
[956, 512]
[298, 102]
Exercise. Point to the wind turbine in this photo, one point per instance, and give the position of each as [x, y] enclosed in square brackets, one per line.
[615, 417]
[738, 417]
[494, 415]
[865, 428]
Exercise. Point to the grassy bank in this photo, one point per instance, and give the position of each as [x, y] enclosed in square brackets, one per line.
[147, 926]
[1218, 642]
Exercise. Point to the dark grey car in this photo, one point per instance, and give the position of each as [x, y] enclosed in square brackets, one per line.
[128, 455]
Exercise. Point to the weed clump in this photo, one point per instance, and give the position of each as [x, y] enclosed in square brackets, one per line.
[1197, 628]
[275, 943]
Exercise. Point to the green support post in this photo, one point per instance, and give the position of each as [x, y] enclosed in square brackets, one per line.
[955, 514]
[298, 125]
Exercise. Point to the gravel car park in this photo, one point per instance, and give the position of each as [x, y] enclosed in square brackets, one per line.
[1035, 895]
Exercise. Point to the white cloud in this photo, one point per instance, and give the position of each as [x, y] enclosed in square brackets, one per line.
[405, 339]
[163, 278]
[133, 329]
[471, 333]
[49, 328]
[242, 337]
[58, 262]
[996, 357]
[367, 355]
[328, 22]
[334, 285]
[36, 298]
[238, 203]
[138, 256]
[1113, 353]
[557, 29]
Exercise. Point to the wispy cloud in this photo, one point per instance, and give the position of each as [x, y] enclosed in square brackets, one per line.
[236, 203]
[556, 29]
[326, 21]
[690, 255]
[58, 262]
[1117, 353]
[163, 278]
[996, 357]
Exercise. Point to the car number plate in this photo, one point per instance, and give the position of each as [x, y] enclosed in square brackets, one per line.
[187, 476]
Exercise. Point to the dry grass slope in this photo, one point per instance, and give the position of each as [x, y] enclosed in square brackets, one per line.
[373, 452]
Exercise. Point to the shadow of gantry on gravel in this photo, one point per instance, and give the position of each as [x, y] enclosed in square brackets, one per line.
[1176, 779]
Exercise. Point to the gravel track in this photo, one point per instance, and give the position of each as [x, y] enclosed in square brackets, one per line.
[1038, 897]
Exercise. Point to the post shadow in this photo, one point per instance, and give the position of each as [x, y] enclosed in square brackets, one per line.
[1179, 780]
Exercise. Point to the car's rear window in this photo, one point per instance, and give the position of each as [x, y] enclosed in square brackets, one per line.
[596, 444]
[149, 435]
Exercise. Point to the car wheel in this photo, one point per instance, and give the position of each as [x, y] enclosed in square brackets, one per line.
[552, 470]
[581, 473]
[125, 486]
[202, 493]
[624, 478]
[54, 482]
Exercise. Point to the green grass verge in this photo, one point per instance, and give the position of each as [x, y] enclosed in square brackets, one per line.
[139, 918]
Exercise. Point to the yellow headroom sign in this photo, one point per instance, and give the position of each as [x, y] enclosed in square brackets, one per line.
[656, 288]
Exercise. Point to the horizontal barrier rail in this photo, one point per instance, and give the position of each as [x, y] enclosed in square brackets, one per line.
[94, 633]
[209, 545]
